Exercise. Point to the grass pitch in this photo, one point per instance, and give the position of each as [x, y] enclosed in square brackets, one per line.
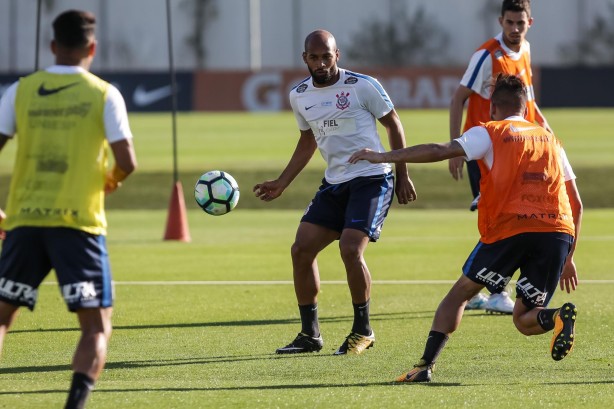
[196, 324]
[186, 338]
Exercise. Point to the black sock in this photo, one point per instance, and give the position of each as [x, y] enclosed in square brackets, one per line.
[545, 318]
[80, 389]
[361, 319]
[309, 319]
[434, 344]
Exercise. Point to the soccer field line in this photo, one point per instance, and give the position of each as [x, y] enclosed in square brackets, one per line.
[289, 282]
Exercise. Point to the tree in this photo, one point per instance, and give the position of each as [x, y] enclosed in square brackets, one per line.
[201, 11]
[596, 44]
[409, 40]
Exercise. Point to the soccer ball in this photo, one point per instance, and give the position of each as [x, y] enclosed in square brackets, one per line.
[216, 192]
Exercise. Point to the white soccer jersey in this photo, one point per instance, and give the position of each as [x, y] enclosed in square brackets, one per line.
[342, 118]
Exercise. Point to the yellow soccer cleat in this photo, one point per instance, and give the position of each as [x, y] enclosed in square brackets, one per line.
[420, 373]
[356, 344]
[564, 331]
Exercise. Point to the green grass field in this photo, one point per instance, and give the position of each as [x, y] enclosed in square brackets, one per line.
[184, 337]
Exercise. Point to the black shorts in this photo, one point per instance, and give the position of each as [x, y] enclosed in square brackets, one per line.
[361, 203]
[80, 261]
[539, 256]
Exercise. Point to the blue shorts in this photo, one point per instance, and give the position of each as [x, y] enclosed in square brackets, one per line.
[361, 203]
[80, 261]
[539, 256]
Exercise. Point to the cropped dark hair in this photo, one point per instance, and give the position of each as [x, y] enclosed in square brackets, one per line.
[509, 92]
[74, 28]
[516, 5]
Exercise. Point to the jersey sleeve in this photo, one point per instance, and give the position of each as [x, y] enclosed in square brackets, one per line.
[567, 170]
[476, 143]
[374, 98]
[8, 122]
[478, 73]
[116, 124]
[303, 125]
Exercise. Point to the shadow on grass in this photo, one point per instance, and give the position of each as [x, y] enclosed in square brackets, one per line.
[146, 363]
[244, 388]
[348, 318]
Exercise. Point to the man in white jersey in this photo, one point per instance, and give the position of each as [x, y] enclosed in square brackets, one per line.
[64, 120]
[336, 110]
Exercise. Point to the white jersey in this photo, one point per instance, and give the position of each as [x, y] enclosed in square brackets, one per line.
[342, 118]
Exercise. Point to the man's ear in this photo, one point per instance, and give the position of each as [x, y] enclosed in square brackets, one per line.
[91, 49]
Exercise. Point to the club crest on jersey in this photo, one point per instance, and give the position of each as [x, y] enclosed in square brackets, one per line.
[342, 100]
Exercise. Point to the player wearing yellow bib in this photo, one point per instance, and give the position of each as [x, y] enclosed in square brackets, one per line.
[64, 120]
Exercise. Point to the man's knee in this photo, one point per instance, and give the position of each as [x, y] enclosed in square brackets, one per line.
[350, 251]
[95, 322]
[522, 320]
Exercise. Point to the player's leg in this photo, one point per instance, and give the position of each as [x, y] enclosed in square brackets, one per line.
[539, 279]
[8, 313]
[447, 319]
[23, 266]
[488, 265]
[368, 200]
[310, 240]
[352, 245]
[91, 353]
[450, 310]
[81, 263]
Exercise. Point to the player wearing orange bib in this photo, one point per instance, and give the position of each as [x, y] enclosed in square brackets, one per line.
[510, 53]
[529, 220]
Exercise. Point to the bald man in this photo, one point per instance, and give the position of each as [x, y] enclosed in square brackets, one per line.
[336, 112]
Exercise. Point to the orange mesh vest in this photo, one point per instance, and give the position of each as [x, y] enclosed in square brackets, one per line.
[478, 108]
[525, 189]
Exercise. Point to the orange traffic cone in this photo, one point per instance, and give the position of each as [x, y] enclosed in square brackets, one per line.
[177, 221]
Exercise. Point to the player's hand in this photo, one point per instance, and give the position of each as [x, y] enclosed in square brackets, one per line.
[368, 155]
[569, 276]
[456, 167]
[269, 190]
[405, 190]
[110, 183]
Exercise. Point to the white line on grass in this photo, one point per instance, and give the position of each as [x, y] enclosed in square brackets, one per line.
[288, 282]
